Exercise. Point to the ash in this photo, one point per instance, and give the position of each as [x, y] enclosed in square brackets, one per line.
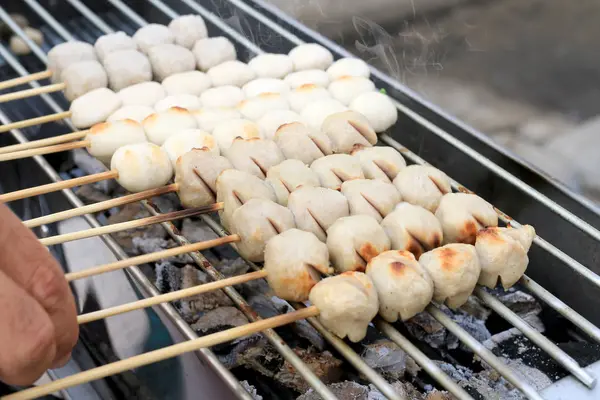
[251, 389]
[348, 390]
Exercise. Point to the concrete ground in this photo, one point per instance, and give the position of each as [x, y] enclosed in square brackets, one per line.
[525, 72]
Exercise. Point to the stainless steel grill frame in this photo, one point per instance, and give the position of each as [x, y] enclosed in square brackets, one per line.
[429, 135]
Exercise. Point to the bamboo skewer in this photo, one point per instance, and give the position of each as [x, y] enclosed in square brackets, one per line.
[163, 354]
[44, 150]
[53, 187]
[56, 87]
[137, 223]
[100, 206]
[146, 258]
[67, 137]
[172, 296]
[35, 121]
[25, 79]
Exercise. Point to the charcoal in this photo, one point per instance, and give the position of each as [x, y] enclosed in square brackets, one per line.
[144, 245]
[439, 395]
[348, 390]
[476, 308]
[522, 304]
[252, 352]
[323, 364]
[91, 194]
[251, 390]
[232, 267]
[196, 230]
[168, 277]
[166, 202]
[475, 327]
[386, 358]
[219, 319]
[426, 328]
[125, 238]
[90, 166]
[191, 307]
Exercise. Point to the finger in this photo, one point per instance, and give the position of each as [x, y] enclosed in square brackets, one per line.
[27, 346]
[30, 266]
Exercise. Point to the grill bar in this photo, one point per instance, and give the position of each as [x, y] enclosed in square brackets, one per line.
[46, 16]
[91, 16]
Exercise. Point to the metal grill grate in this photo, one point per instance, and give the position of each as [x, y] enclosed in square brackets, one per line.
[261, 15]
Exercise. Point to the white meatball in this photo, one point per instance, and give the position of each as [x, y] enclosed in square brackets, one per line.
[187, 101]
[288, 176]
[379, 162]
[316, 112]
[348, 129]
[112, 42]
[255, 107]
[234, 188]
[209, 118]
[82, 77]
[378, 108]
[403, 285]
[164, 124]
[65, 54]
[225, 132]
[454, 269]
[257, 221]
[190, 82]
[234, 73]
[272, 120]
[353, 241]
[335, 169]
[502, 254]
[186, 140]
[315, 77]
[305, 95]
[141, 166]
[370, 197]
[315, 209]
[462, 215]
[293, 260]
[254, 155]
[187, 29]
[222, 96]
[106, 137]
[422, 185]
[347, 303]
[265, 85]
[348, 67]
[142, 94]
[169, 59]
[135, 113]
[298, 142]
[347, 88]
[196, 175]
[270, 65]
[211, 52]
[127, 68]
[153, 35]
[412, 228]
[18, 45]
[94, 107]
[310, 56]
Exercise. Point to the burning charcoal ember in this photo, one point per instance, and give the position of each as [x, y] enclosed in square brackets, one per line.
[130, 212]
[349, 390]
[475, 327]
[475, 307]
[437, 395]
[424, 327]
[252, 352]
[386, 358]
[251, 390]
[143, 245]
[327, 368]
[190, 306]
[219, 319]
[168, 277]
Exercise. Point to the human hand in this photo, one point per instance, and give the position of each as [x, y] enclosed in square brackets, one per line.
[38, 319]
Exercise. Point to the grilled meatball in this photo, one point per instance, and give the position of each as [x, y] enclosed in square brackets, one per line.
[211, 52]
[503, 254]
[381, 162]
[353, 241]
[188, 29]
[293, 260]
[317, 111]
[222, 96]
[254, 155]
[170, 59]
[227, 131]
[256, 107]
[462, 215]
[235, 73]
[315, 209]
[94, 107]
[272, 120]
[288, 176]
[296, 141]
[67, 53]
[348, 129]
[270, 65]
[335, 169]
[208, 118]
[196, 174]
[265, 85]
[189, 82]
[348, 66]
[235, 188]
[302, 96]
[257, 221]
[378, 108]
[347, 88]
[186, 140]
[133, 112]
[370, 197]
[316, 77]
[187, 101]
[113, 42]
[153, 35]
[164, 124]
[106, 137]
[310, 56]
[126, 68]
[141, 166]
[403, 285]
[454, 269]
[142, 94]
[347, 303]
[413, 228]
[422, 185]
[82, 77]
